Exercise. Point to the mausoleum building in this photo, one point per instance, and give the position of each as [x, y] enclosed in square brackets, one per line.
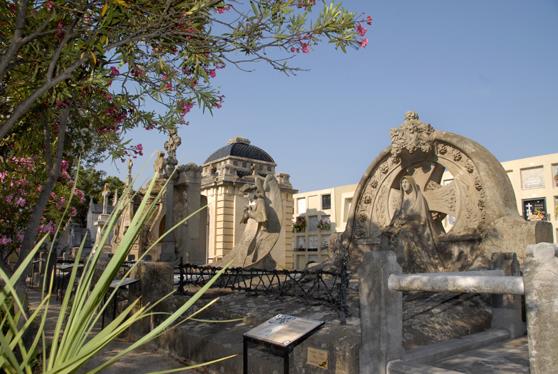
[226, 174]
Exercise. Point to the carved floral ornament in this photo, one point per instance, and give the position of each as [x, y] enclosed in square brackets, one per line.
[413, 135]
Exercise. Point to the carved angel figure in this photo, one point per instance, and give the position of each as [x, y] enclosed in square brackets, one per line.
[256, 203]
[262, 226]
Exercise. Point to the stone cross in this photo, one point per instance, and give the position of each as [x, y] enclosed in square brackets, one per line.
[529, 207]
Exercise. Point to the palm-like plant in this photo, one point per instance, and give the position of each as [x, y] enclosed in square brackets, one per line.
[75, 340]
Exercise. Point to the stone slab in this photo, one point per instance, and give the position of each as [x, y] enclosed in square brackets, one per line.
[438, 351]
[202, 341]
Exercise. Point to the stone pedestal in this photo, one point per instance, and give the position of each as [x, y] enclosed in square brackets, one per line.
[381, 313]
[541, 295]
[156, 281]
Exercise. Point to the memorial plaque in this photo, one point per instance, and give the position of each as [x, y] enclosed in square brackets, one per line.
[283, 330]
[317, 357]
[535, 209]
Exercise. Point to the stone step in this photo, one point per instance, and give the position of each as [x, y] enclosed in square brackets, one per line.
[438, 351]
[401, 367]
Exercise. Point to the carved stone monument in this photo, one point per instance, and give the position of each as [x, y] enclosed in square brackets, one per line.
[402, 202]
[181, 199]
[262, 220]
[103, 218]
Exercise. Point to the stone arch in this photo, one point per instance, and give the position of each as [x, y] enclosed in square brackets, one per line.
[480, 197]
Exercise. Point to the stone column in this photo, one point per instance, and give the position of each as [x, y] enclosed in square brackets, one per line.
[381, 313]
[168, 244]
[541, 296]
[195, 244]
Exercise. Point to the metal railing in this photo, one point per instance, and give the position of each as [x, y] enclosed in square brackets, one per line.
[323, 286]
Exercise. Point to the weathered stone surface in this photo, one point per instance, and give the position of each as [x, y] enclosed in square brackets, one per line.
[381, 314]
[441, 282]
[199, 341]
[408, 219]
[400, 205]
[499, 358]
[262, 220]
[507, 309]
[156, 281]
[430, 318]
[541, 297]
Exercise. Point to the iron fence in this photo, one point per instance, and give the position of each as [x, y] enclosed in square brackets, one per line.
[323, 286]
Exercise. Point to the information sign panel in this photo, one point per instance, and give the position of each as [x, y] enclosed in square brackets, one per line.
[283, 330]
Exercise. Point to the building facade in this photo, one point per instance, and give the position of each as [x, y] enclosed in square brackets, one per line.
[317, 215]
[320, 213]
[224, 174]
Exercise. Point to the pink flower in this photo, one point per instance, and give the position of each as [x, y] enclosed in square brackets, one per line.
[60, 203]
[212, 73]
[304, 47]
[168, 86]
[59, 33]
[186, 107]
[114, 71]
[3, 175]
[21, 202]
[80, 195]
[363, 42]
[138, 73]
[73, 212]
[222, 9]
[361, 30]
[218, 104]
[22, 182]
[48, 228]
[26, 162]
[64, 165]
[369, 20]
[9, 199]
[49, 5]
[5, 240]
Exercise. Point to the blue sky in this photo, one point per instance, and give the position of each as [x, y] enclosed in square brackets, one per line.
[484, 69]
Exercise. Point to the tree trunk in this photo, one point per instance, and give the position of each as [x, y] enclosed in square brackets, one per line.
[30, 235]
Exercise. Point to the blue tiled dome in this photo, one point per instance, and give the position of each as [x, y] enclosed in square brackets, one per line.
[240, 147]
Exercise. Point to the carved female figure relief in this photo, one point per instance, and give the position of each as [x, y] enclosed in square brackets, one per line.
[413, 204]
[411, 233]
